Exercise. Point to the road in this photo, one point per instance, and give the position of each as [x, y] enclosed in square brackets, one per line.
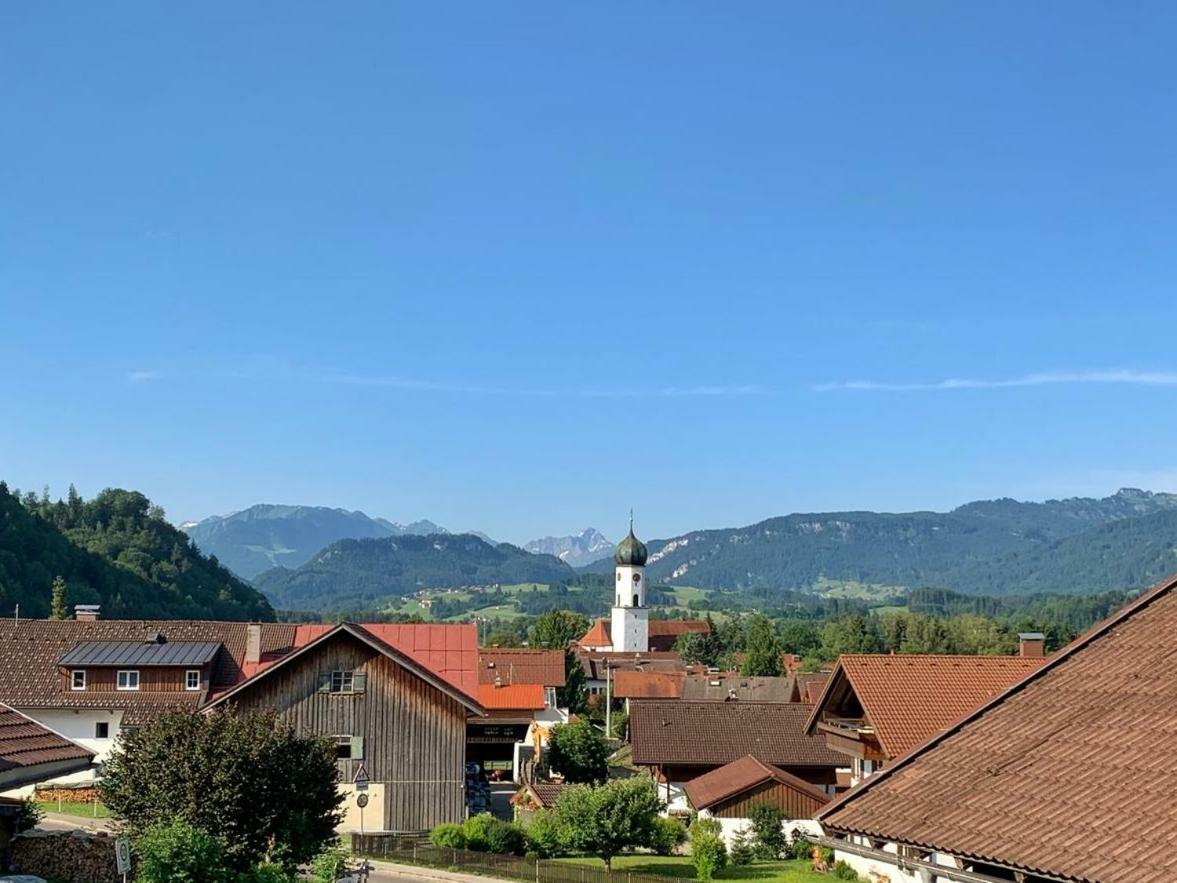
[53, 821]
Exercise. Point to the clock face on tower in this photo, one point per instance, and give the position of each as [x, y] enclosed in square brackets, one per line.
[637, 577]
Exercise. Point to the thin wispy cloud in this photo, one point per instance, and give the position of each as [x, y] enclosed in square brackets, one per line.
[141, 376]
[1051, 378]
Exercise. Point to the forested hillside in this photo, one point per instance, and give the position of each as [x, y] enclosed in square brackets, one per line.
[353, 573]
[996, 547]
[115, 550]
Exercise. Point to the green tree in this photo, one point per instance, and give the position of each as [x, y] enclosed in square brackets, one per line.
[763, 650]
[556, 630]
[767, 831]
[264, 792]
[578, 752]
[604, 820]
[708, 853]
[856, 633]
[59, 599]
[177, 852]
[799, 637]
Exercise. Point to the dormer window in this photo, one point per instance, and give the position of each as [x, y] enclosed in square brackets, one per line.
[77, 679]
[192, 679]
[128, 679]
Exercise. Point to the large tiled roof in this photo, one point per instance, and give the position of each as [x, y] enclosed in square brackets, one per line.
[1068, 774]
[908, 699]
[31, 649]
[648, 684]
[726, 686]
[711, 733]
[25, 743]
[519, 666]
[730, 780]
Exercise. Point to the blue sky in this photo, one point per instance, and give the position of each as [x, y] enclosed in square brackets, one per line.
[518, 267]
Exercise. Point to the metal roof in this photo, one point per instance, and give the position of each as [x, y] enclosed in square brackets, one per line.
[140, 653]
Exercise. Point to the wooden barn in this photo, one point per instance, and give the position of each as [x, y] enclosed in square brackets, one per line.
[398, 721]
[732, 790]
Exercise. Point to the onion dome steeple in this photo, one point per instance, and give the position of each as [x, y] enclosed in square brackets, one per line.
[631, 552]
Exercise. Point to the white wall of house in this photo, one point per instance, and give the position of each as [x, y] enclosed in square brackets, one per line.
[879, 869]
[730, 827]
[81, 725]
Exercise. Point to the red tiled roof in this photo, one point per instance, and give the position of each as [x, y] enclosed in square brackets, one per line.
[713, 733]
[519, 666]
[908, 698]
[26, 743]
[810, 685]
[730, 780]
[597, 635]
[1066, 774]
[648, 684]
[511, 697]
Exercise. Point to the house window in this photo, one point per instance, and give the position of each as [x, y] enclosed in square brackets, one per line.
[192, 679]
[342, 681]
[349, 747]
[102, 730]
[128, 679]
[550, 697]
[77, 680]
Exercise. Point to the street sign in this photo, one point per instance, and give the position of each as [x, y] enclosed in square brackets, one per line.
[360, 780]
[122, 855]
[362, 800]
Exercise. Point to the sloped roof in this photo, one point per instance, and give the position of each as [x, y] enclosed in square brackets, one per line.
[539, 794]
[810, 684]
[521, 666]
[26, 744]
[648, 684]
[1068, 773]
[597, 635]
[141, 653]
[732, 686]
[713, 733]
[511, 697]
[910, 698]
[594, 662]
[662, 633]
[733, 779]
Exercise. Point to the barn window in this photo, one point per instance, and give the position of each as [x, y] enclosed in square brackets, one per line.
[128, 679]
[349, 747]
[77, 680]
[341, 681]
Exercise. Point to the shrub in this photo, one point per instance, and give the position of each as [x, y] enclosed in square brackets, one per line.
[266, 873]
[448, 836]
[843, 871]
[328, 865]
[768, 838]
[742, 851]
[485, 833]
[708, 854]
[668, 835]
[179, 853]
[801, 848]
[28, 816]
[546, 837]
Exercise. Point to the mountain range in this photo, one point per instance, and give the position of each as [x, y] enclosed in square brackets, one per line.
[997, 547]
[261, 537]
[578, 550]
[353, 574]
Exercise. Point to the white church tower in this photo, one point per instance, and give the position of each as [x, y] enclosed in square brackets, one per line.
[629, 627]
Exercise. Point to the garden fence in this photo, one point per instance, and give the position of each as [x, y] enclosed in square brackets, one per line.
[417, 851]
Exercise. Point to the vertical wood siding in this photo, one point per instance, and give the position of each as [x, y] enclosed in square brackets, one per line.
[793, 804]
[414, 734]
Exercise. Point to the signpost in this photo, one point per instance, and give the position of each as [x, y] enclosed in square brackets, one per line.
[360, 782]
[122, 856]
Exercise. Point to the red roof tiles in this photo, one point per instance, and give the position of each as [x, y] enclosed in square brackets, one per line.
[1067, 774]
[648, 684]
[511, 697]
[520, 666]
[908, 698]
[733, 779]
[24, 743]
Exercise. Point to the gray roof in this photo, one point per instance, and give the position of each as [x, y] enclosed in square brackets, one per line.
[726, 687]
[140, 653]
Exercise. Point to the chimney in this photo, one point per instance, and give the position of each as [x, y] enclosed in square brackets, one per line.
[253, 642]
[86, 612]
[1032, 645]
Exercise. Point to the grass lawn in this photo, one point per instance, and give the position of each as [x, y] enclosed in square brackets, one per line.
[794, 871]
[86, 810]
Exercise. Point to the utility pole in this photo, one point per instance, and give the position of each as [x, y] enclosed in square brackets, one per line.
[608, 700]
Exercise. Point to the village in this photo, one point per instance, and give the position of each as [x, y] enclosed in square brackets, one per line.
[884, 768]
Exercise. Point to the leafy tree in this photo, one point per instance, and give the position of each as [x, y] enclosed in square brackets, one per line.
[249, 780]
[768, 834]
[708, 853]
[578, 752]
[59, 600]
[603, 820]
[669, 835]
[799, 637]
[851, 634]
[763, 657]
